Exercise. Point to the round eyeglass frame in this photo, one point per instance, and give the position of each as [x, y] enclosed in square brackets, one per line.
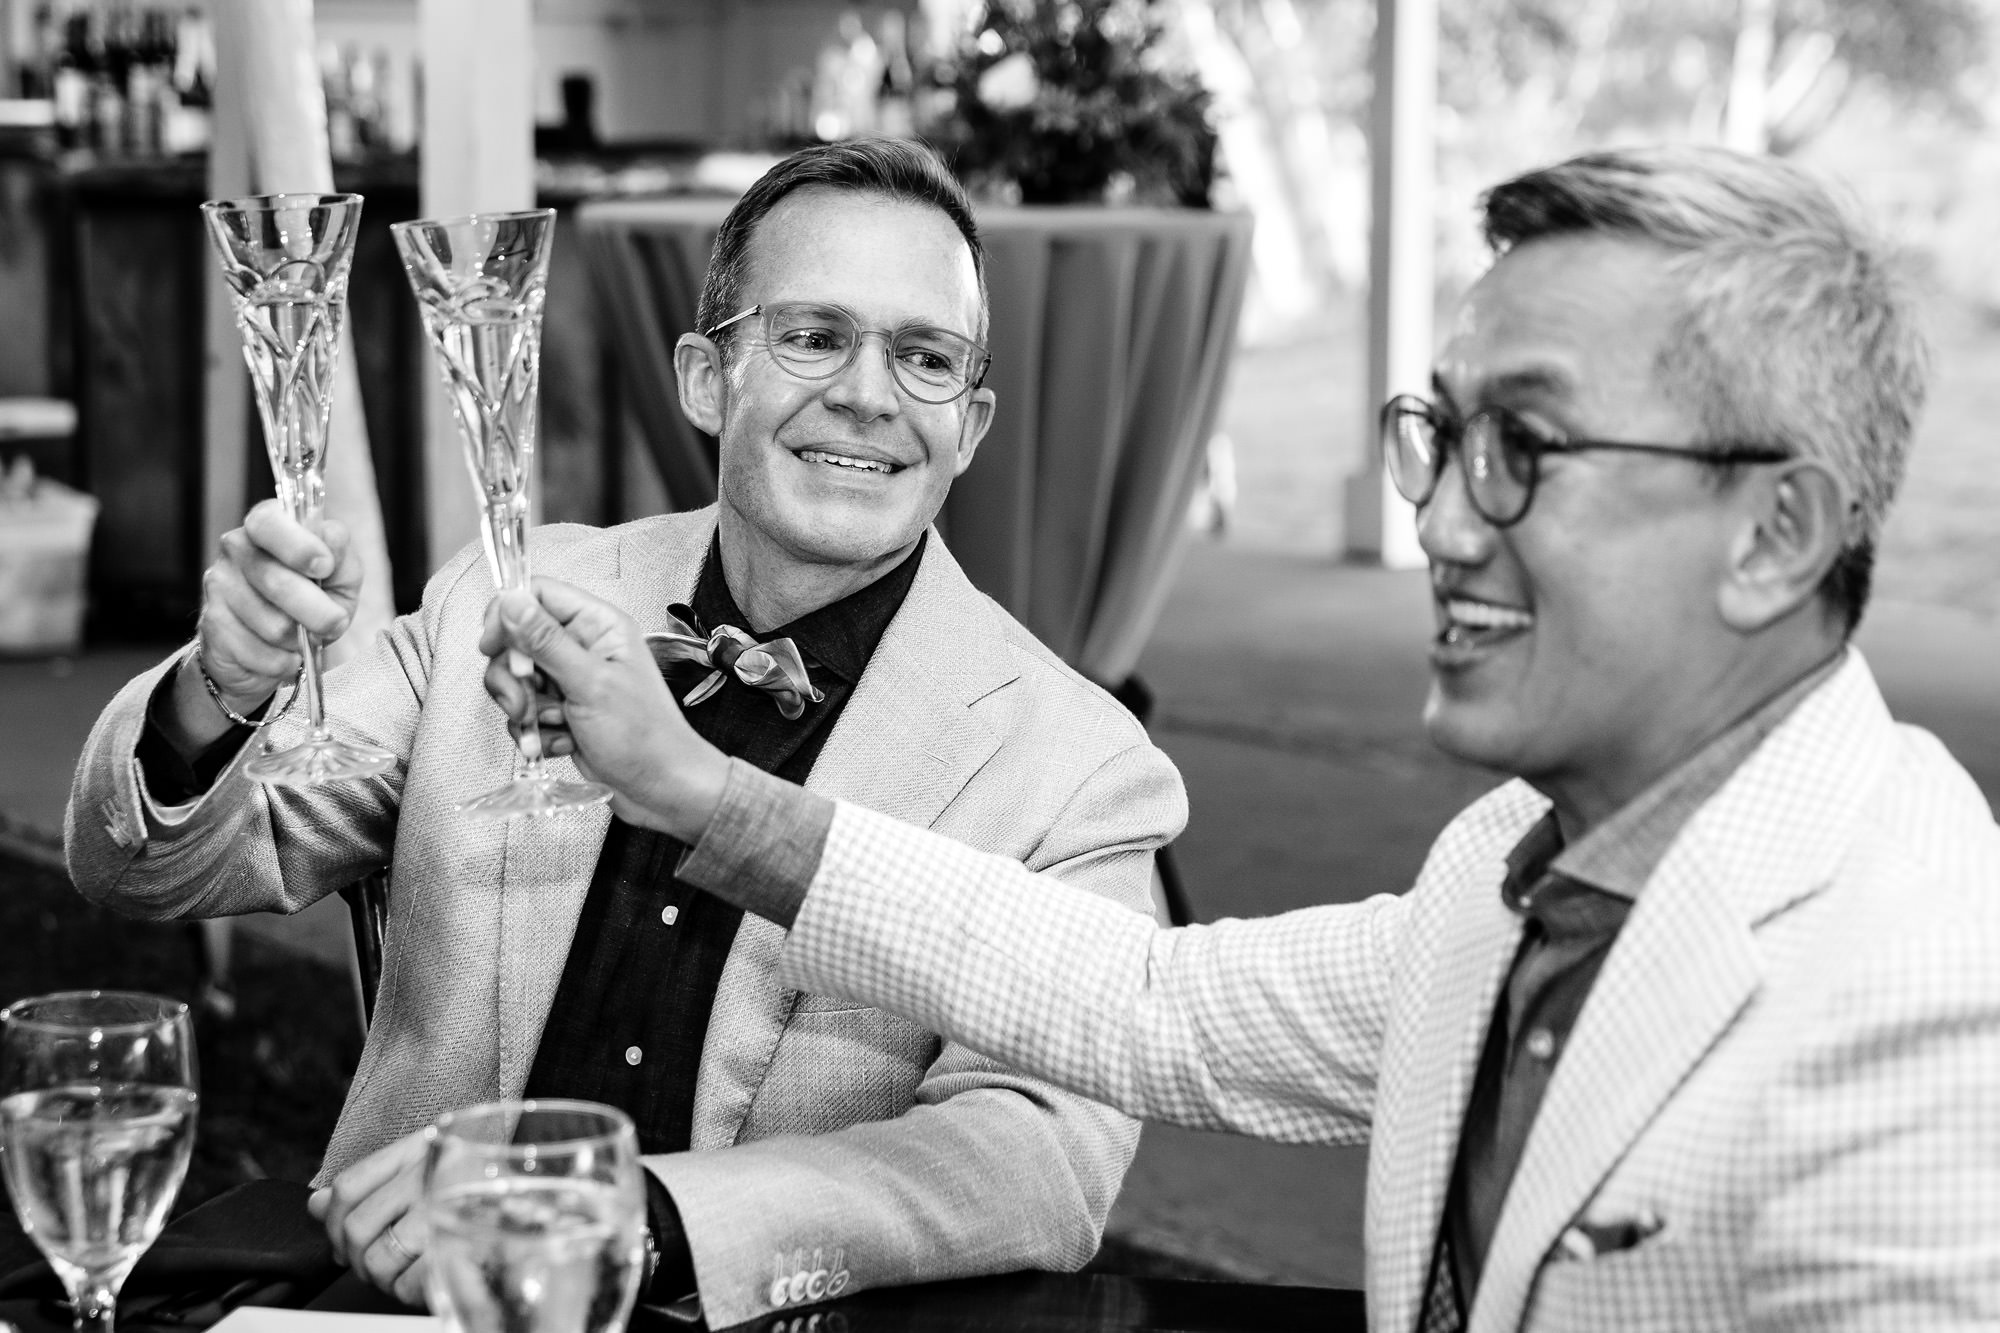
[1491, 461]
[920, 392]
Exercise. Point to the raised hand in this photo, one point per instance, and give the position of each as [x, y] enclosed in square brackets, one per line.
[272, 576]
[603, 702]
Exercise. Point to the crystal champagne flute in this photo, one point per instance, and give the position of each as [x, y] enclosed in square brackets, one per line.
[97, 1112]
[480, 282]
[537, 1218]
[286, 259]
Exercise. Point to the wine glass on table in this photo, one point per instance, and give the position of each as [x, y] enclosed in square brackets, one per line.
[97, 1112]
[537, 1218]
[480, 282]
[286, 258]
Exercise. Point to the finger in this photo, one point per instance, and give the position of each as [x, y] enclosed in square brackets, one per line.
[412, 1288]
[271, 527]
[529, 628]
[508, 690]
[379, 1173]
[395, 1249]
[318, 1202]
[344, 583]
[237, 657]
[297, 596]
[227, 585]
[590, 620]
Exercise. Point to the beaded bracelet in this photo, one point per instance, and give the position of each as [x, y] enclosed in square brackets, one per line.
[214, 693]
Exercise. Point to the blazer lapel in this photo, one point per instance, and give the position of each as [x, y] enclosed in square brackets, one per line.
[1683, 968]
[1427, 1077]
[1686, 964]
[906, 744]
[549, 861]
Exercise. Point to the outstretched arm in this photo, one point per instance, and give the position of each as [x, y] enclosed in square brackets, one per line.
[1265, 1027]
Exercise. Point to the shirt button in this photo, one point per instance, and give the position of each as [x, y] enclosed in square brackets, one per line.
[633, 1055]
[669, 915]
[1541, 1044]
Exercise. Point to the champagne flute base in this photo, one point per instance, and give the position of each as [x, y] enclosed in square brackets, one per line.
[528, 797]
[321, 759]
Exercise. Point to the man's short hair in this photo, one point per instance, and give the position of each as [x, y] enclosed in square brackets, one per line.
[892, 168]
[1794, 328]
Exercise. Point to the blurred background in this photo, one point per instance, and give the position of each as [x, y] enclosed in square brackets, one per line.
[1285, 669]
[1253, 105]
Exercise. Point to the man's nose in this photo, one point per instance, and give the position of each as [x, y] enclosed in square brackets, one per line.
[866, 387]
[1449, 528]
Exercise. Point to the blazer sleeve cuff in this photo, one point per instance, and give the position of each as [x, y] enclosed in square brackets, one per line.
[763, 847]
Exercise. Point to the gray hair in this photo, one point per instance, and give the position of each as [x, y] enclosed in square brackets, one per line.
[1795, 328]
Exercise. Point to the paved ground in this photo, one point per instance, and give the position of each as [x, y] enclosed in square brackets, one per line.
[1287, 693]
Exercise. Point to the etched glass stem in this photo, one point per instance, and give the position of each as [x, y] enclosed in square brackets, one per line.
[506, 536]
[305, 496]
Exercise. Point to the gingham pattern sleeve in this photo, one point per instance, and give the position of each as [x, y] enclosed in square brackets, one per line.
[1268, 1028]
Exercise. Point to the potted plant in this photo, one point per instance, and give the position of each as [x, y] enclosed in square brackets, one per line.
[1076, 101]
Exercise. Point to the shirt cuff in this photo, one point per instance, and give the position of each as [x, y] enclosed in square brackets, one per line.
[171, 777]
[672, 1278]
[763, 846]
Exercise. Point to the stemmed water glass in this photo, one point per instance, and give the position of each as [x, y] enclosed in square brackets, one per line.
[97, 1112]
[480, 282]
[537, 1218]
[286, 259]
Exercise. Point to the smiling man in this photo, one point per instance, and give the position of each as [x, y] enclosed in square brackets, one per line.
[815, 627]
[1695, 1022]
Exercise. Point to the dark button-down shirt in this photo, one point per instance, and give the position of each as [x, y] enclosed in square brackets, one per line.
[631, 1011]
[1573, 901]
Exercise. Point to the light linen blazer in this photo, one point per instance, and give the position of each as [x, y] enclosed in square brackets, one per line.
[860, 1146]
[1791, 1059]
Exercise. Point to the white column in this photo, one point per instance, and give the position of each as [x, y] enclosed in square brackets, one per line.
[225, 382]
[270, 136]
[1401, 284]
[478, 156]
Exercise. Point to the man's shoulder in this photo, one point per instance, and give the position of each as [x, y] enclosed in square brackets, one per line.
[1050, 692]
[653, 537]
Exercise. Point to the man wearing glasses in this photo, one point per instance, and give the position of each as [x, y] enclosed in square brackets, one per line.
[1695, 1023]
[814, 627]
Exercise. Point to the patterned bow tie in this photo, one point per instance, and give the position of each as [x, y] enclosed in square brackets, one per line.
[775, 667]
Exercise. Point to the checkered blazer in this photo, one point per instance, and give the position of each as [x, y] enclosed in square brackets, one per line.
[859, 1147]
[1790, 1061]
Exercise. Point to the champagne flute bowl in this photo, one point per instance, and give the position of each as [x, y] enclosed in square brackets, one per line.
[480, 283]
[286, 258]
[537, 1218]
[97, 1116]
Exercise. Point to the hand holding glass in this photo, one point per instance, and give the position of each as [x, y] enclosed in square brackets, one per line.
[97, 1113]
[480, 282]
[537, 1218]
[286, 259]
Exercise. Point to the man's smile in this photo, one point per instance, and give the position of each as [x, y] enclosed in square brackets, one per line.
[852, 462]
[1470, 627]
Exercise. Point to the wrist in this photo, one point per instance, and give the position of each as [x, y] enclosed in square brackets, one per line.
[684, 804]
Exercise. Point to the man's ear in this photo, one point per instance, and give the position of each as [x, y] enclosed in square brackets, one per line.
[702, 380]
[978, 420]
[1797, 523]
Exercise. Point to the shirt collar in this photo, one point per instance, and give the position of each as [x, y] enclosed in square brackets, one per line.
[1621, 854]
[839, 637]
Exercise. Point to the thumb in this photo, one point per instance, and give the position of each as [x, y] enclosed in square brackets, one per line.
[526, 626]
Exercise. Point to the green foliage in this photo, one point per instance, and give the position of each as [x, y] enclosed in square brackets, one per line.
[1076, 100]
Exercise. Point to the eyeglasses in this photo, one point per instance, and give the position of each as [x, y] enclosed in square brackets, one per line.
[1501, 452]
[817, 342]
